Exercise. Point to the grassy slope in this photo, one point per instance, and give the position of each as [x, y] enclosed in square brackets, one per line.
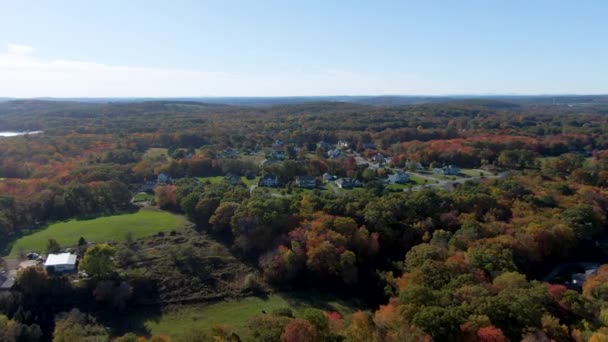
[235, 313]
[144, 222]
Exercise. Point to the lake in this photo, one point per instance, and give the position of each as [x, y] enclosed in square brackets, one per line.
[14, 134]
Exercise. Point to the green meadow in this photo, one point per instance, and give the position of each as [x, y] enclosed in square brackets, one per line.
[147, 221]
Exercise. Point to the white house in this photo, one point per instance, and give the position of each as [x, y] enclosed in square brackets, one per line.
[63, 262]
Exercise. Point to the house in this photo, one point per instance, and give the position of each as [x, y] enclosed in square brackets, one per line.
[328, 177]
[269, 181]
[579, 279]
[342, 144]
[413, 165]
[7, 280]
[278, 155]
[324, 145]
[379, 157]
[398, 178]
[63, 262]
[306, 182]
[163, 178]
[449, 170]
[228, 153]
[345, 183]
[369, 146]
[148, 186]
[278, 146]
[233, 179]
[334, 154]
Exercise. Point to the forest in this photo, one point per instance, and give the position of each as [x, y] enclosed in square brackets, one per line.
[418, 262]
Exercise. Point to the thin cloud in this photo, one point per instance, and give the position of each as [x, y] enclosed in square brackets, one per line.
[25, 75]
[19, 49]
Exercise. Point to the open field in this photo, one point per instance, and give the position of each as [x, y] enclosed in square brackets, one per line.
[145, 222]
[236, 312]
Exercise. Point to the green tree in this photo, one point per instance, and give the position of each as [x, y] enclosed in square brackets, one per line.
[33, 281]
[98, 261]
[52, 246]
[77, 326]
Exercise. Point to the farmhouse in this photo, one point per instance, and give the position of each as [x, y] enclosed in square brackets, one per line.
[306, 182]
[64, 262]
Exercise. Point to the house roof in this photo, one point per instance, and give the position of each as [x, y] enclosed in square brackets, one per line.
[60, 259]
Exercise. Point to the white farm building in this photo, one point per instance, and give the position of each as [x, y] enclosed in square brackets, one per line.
[64, 262]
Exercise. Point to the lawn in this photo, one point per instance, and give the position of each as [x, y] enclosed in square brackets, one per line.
[250, 182]
[235, 313]
[417, 179]
[475, 173]
[145, 222]
[142, 197]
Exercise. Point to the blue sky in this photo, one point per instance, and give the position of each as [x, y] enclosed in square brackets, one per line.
[283, 48]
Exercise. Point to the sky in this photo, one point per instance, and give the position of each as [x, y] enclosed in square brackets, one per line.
[302, 48]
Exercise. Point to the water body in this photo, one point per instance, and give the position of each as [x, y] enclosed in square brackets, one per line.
[14, 134]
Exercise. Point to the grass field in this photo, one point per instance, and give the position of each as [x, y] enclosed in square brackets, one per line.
[475, 173]
[417, 180]
[236, 313]
[219, 179]
[145, 222]
[142, 197]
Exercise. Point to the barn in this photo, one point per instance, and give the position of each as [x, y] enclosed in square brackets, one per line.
[63, 262]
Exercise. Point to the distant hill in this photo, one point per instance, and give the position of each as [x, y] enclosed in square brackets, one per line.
[385, 100]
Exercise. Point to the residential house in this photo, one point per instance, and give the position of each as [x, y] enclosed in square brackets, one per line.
[278, 146]
[449, 170]
[413, 165]
[334, 154]
[228, 153]
[342, 144]
[278, 155]
[233, 179]
[307, 182]
[379, 158]
[163, 178]
[324, 145]
[269, 181]
[345, 183]
[398, 178]
[328, 177]
[7, 280]
[63, 262]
